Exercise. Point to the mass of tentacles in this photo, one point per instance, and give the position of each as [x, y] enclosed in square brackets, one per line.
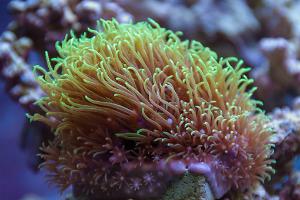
[131, 105]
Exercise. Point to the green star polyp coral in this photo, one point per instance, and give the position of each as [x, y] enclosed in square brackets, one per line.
[133, 99]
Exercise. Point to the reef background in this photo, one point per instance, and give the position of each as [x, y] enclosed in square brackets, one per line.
[265, 34]
[17, 180]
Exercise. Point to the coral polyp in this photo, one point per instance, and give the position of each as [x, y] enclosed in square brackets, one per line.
[131, 104]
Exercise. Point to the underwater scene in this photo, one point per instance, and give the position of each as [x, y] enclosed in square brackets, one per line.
[150, 100]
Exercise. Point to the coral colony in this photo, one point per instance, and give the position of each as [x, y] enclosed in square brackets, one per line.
[264, 33]
[133, 107]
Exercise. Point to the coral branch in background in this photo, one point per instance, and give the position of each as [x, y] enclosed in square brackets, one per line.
[278, 74]
[14, 68]
[224, 17]
[282, 73]
[47, 21]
